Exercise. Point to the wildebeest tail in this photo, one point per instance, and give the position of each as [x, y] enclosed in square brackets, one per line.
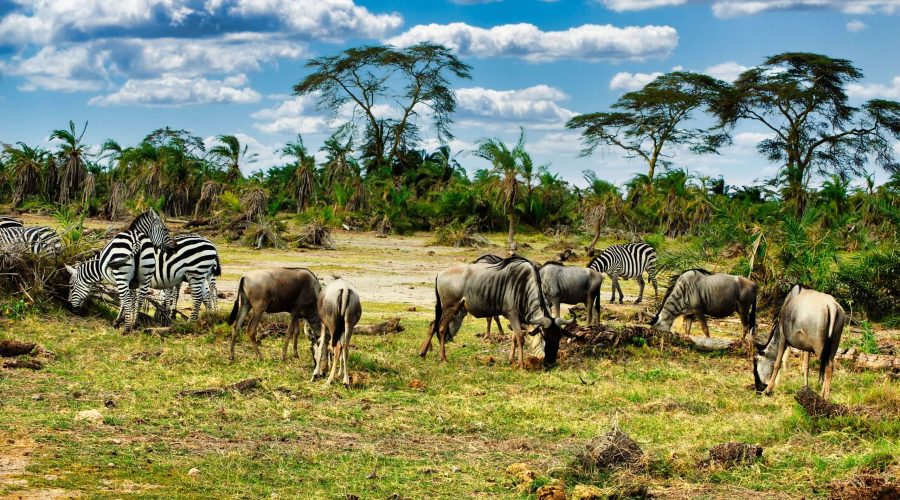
[438, 309]
[751, 319]
[832, 338]
[345, 311]
[237, 302]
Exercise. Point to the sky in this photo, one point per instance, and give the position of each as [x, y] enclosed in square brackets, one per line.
[213, 67]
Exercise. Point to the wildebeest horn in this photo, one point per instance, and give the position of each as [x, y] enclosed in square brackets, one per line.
[564, 322]
[544, 322]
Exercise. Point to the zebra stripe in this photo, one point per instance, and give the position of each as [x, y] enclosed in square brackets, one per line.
[630, 260]
[40, 240]
[128, 260]
[6, 222]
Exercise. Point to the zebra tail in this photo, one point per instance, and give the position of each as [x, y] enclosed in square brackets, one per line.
[135, 278]
[217, 270]
[237, 302]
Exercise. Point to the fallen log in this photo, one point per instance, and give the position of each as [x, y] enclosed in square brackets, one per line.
[392, 325]
[13, 348]
[711, 344]
[242, 386]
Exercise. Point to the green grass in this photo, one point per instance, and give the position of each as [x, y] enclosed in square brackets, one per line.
[452, 438]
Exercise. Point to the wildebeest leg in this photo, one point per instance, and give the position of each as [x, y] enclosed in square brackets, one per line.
[688, 323]
[446, 318]
[589, 305]
[251, 332]
[555, 311]
[806, 368]
[702, 318]
[499, 326]
[335, 361]
[518, 340]
[293, 327]
[345, 357]
[782, 345]
[238, 323]
[431, 330]
[487, 335]
[319, 354]
[640, 281]
[826, 384]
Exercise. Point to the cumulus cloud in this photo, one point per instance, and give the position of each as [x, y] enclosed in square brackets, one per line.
[632, 81]
[727, 71]
[855, 26]
[44, 21]
[174, 91]
[875, 90]
[588, 42]
[294, 115]
[735, 8]
[533, 104]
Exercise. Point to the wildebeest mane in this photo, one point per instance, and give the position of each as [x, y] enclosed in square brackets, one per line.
[777, 314]
[488, 258]
[674, 280]
[554, 263]
[517, 259]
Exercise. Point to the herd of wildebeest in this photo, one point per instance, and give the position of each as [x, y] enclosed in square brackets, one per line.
[527, 294]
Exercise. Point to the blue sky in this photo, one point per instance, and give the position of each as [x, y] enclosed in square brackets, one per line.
[227, 66]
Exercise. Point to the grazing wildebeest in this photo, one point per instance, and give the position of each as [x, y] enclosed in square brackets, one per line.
[511, 288]
[810, 321]
[339, 311]
[490, 259]
[571, 285]
[291, 290]
[697, 293]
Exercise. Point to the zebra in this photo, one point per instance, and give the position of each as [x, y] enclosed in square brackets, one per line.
[630, 260]
[194, 260]
[40, 240]
[128, 260]
[6, 222]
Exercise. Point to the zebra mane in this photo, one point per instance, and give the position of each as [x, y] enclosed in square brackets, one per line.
[146, 216]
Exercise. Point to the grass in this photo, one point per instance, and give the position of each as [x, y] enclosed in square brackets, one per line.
[411, 427]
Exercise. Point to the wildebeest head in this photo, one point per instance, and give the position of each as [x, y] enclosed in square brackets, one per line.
[762, 365]
[552, 331]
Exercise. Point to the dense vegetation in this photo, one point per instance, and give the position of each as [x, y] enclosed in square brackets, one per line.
[822, 220]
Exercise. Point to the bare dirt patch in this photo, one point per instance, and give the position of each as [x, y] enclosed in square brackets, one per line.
[15, 456]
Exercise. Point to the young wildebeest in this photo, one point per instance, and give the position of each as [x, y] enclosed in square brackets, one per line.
[339, 311]
[511, 288]
[697, 293]
[490, 259]
[810, 321]
[571, 285]
[291, 290]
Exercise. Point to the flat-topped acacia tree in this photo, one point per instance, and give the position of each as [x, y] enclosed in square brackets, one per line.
[645, 122]
[801, 98]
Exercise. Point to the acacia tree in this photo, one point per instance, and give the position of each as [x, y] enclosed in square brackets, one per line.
[507, 165]
[366, 79]
[644, 122]
[801, 98]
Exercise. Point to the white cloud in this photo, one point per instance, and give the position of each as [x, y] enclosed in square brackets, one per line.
[875, 90]
[589, 42]
[44, 21]
[735, 8]
[632, 81]
[533, 104]
[749, 139]
[855, 26]
[294, 115]
[173, 91]
[727, 71]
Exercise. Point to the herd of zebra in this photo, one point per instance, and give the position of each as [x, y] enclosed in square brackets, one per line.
[145, 255]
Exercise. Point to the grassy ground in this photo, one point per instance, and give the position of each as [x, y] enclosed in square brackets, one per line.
[408, 426]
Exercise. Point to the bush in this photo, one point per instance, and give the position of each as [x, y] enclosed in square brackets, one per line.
[870, 283]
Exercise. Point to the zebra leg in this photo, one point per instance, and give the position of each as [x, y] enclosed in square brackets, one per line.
[124, 303]
[614, 281]
[139, 298]
[640, 281]
[197, 294]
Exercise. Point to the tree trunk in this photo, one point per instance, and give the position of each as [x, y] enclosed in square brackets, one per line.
[511, 238]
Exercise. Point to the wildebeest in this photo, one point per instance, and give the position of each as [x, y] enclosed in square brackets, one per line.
[571, 285]
[511, 288]
[339, 311]
[810, 321]
[490, 259]
[697, 293]
[291, 290]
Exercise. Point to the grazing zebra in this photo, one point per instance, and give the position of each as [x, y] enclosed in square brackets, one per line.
[40, 240]
[194, 260]
[630, 260]
[6, 222]
[128, 261]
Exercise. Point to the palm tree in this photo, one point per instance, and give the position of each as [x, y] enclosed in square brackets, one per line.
[507, 164]
[602, 203]
[72, 155]
[232, 154]
[304, 178]
[339, 166]
[25, 168]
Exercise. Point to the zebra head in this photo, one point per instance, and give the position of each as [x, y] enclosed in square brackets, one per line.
[79, 287]
[152, 225]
